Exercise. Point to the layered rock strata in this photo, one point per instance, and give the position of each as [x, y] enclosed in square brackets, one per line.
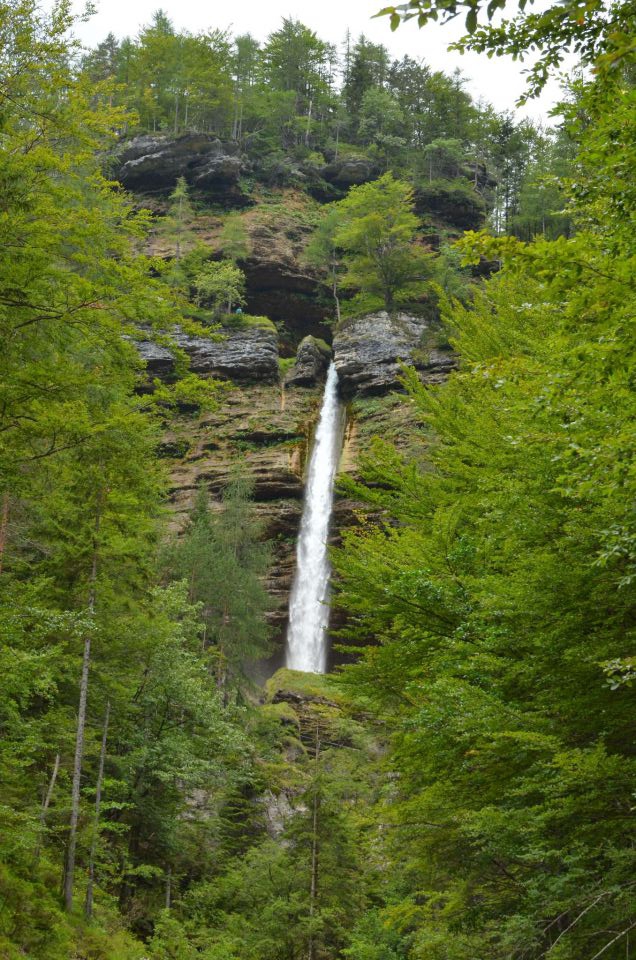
[152, 162]
[370, 351]
[253, 427]
[242, 354]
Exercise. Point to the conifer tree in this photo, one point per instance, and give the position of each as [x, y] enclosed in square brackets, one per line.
[223, 561]
[178, 223]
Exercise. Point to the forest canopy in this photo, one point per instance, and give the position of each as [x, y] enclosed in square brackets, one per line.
[463, 786]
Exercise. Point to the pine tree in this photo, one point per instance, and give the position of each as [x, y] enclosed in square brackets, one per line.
[177, 225]
[223, 561]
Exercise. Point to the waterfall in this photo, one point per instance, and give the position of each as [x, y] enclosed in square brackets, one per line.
[308, 606]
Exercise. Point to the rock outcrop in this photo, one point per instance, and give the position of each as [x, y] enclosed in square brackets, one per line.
[159, 360]
[244, 354]
[453, 203]
[154, 163]
[279, 285]
[349, 171]
[370, 351]
[312, 361]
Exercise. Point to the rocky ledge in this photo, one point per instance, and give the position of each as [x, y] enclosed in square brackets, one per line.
[154, 163]
[350, 171]
[370, 351]
[244, 354]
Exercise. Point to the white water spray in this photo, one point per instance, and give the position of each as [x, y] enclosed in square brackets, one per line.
[308, 606]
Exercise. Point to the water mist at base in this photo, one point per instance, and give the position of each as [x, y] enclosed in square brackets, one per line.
[308, 606]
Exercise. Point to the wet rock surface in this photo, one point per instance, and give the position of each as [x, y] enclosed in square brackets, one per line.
[269, 435]
[370, 351]
[312, 361]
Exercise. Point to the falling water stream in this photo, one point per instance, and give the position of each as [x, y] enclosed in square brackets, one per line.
[308, 605]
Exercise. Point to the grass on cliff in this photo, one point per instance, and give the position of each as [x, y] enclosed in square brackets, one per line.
[322, 345]
[244, 321]
[301, 684]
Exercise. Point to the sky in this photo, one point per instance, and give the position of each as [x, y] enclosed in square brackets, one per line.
[498, 81]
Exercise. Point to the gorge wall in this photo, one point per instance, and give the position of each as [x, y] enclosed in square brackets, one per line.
[269, 403]
[265, 421]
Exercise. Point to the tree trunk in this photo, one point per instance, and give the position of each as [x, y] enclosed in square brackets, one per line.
[235, 121]
[88, 906]
[69, 875]
[45, 805]
[4, 526]
[334, 281]
[179, 227]
[308, 129]
[168, 888]
[313, 891]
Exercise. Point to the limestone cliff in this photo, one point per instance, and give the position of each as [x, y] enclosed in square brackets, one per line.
[266, 417]
[266, 422]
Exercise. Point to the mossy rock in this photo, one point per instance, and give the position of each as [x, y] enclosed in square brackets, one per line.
[244, 321]
[304, 686]
[321, 345]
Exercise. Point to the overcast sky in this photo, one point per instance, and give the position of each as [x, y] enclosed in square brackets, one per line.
[498, 81]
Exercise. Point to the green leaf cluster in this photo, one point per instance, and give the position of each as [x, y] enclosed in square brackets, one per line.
[500, 590]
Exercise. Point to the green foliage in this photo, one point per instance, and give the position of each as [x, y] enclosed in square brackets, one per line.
[323, 252]
[222, 562]
[177, 225]
[454, 202]
[542, 201]
[298, 102]
[382, 126]
[234, 241]
[599, 32]
[81, 494]
[296, 890]
[236, 321]
[465, 789]
[221, 285]
[452, 277]
[499, 591]
[376, 229]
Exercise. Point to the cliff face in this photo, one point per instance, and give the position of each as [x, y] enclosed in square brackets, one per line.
[370, 351]
[266, 423]
[241, 354]
[278, 214]
[153, 163]
[265, 420]
[260, 424]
